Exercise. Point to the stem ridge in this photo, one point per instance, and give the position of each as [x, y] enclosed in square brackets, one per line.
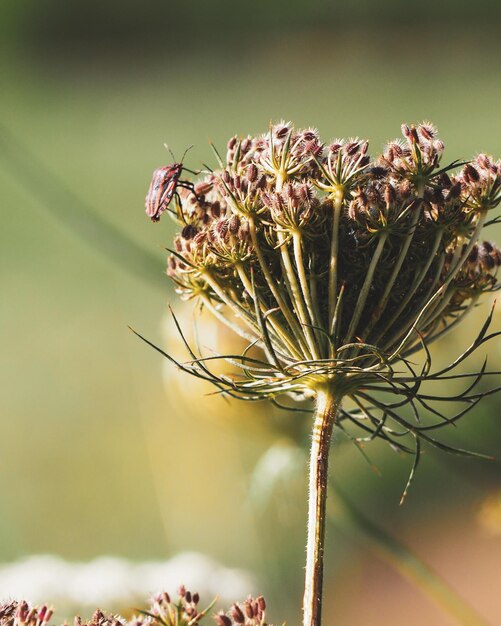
[325, 416]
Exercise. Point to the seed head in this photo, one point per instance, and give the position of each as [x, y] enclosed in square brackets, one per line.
[338, 266]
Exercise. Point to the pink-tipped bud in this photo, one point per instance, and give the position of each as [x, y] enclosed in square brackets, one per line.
[484, 162]
[234, 224]
[406, 131]
[335, 147]
[352, 148]
[470, 174]
[252, 173]
[202, 188]
[237, 615]
[438, 146]
[427, 131]
[281, 131]
[249, 611]
[222, 620]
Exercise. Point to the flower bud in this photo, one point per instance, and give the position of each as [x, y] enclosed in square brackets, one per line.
[261, 183]
[352, 148]
[188, 232]
[249, 611]
[427, 131]
[234, 224]
[470, 174]
[222, 620]
[281, 131]
[236, 613]
[484, 162]
[252, 173]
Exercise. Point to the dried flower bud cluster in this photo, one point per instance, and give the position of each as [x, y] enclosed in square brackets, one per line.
[101, 619]
[338, 266]
[319, 252]
[252, 612]
[163, 611]
[21, 614]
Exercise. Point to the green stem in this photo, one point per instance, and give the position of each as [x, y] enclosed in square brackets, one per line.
[404, 561]
[224, 319]
[457, 264]
[271, 282]
[303, 280]
[333, 263]
[409, 321]
[325, 415]
[415, 285]
[364, 292]
[281, 334]
[297, 296]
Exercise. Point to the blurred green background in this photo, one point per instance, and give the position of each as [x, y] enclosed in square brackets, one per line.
[106, 451]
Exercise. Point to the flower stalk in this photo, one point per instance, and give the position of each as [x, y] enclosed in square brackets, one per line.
[325, 417]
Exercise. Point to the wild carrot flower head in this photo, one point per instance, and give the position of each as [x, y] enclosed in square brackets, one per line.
[338, 266]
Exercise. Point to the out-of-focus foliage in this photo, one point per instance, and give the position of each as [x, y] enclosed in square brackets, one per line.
[59, 24]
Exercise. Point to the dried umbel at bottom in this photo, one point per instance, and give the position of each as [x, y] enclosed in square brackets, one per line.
[183, 610]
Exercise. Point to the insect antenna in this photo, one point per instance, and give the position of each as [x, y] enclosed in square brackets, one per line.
[167, 147]
[187, 169]
[187, 150]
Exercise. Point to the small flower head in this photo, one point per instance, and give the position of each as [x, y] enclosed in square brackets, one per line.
[252, 612]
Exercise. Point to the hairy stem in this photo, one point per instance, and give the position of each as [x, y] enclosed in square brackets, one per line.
[327, 407]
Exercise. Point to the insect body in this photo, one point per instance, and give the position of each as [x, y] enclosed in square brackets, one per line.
[162, 189]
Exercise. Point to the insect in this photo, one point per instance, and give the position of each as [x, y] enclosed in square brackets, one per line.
[163, 187]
